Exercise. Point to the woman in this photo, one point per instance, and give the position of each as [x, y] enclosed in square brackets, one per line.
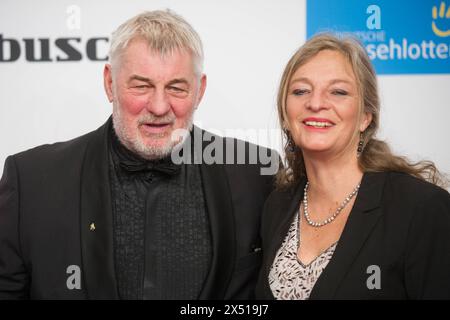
[349, 220]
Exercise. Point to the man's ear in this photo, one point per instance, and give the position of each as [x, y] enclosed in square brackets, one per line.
[108, 82]
[201, 90]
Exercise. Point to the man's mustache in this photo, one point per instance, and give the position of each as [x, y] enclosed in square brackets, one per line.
[152, 119]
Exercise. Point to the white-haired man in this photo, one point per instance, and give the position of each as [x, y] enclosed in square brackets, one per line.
[110, 215]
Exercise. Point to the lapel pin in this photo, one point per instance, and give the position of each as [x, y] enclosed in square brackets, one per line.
[92, 226]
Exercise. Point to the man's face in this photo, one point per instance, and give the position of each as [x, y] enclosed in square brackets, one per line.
[152, 96]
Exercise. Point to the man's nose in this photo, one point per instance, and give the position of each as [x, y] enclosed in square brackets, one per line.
[158, 103]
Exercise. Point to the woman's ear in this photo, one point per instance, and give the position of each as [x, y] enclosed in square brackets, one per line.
[366, 120]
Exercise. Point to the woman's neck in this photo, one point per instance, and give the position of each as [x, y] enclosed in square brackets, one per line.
[332, 178]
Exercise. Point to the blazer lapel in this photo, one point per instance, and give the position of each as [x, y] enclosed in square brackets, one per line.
[220, 211]
[289, 204]
[96, 219]
[363, 217]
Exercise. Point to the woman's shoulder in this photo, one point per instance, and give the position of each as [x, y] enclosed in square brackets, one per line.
[281, 203]
[285, 194]
[414, 188]
[410, 195]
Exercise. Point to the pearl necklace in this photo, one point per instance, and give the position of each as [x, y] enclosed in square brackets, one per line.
[330, 219]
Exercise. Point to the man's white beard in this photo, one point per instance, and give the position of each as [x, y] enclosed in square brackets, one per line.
[137, 145]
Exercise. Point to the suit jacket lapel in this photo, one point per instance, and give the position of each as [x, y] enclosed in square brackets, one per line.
[288, 207]
[363, 217]
[96, 219]
[220, 211]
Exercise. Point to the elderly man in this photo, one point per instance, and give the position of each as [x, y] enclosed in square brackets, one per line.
[111, 215]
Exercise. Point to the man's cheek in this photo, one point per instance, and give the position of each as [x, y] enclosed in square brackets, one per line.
[183, 111]
[133, 105]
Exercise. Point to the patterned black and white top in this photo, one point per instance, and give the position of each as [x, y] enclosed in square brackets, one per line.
[289, 278]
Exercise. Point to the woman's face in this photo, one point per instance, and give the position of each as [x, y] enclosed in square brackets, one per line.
[322, 106]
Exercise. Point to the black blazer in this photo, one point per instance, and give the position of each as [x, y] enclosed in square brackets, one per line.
[50, 195]
[398, 223]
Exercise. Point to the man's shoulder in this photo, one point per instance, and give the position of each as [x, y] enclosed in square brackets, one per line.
[54, 155]
[232, 140]
[239, 154]
[54, 149]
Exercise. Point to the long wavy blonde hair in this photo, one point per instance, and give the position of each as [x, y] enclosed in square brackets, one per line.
[376, 155]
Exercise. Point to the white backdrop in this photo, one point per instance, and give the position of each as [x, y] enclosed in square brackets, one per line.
[247, 44]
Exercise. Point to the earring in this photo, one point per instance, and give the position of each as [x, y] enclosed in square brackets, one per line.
[360, 144]
[290, 143]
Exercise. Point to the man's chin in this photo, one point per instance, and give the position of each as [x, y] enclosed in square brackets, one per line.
[157, 144]
[153, 151]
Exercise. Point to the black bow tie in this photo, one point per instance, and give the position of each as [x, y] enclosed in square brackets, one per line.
[164, 166]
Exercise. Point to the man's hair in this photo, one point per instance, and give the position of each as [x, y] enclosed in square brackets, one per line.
[164, 31]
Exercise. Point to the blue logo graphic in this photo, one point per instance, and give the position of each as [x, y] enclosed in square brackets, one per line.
[401, 37]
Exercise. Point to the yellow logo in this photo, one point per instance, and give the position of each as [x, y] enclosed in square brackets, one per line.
[442, 13]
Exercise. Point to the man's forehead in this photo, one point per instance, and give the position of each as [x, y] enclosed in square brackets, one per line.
[154, 69]
[149, 80]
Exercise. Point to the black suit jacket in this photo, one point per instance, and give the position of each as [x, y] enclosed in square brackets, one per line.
[50, 195]
[398, 223]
